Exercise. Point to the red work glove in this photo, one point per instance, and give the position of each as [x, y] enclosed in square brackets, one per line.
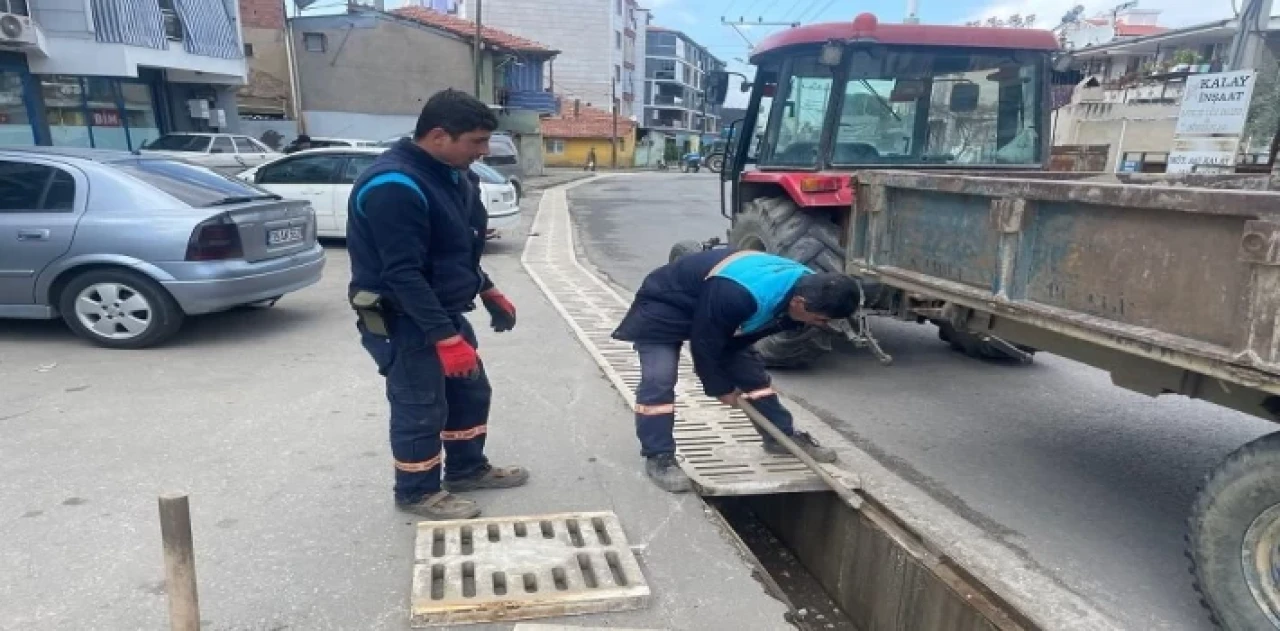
[501, 310]
[457, 357]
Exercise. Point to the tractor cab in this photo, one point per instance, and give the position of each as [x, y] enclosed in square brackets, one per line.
[834, 98]
[830, 99]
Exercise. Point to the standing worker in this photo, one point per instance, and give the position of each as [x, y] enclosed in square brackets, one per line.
[591, 160]
[415, 232]
[722, 301]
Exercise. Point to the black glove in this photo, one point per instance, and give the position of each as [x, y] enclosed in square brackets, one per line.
[501, 310]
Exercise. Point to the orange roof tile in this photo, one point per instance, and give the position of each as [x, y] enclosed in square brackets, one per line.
[590, 122]
[467, 30]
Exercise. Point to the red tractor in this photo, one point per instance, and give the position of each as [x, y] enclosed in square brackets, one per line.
[828, 100]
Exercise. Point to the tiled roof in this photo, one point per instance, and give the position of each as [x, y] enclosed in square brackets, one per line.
[467, 30]
[590, 122]
[1138, 30]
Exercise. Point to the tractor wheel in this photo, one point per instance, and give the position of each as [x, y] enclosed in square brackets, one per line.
[777, 226]
[1233, 538]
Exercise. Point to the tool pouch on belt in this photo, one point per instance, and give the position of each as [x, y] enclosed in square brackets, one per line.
[369, 308]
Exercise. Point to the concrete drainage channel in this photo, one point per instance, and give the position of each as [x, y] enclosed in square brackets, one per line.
[841, 567]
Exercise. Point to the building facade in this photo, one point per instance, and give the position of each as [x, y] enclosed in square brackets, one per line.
[1131, 94]
[598, 59]
[579, 131]
[676, 70]
[116, 74]
[366, 73]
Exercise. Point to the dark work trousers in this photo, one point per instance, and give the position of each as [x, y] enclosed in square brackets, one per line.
[656, 394]
[428, 409]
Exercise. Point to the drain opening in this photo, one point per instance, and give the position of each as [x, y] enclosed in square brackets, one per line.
[493, 533]
[575, 533]
[499, 584]
[467, 546]
[601, 532]
[437, 582]
[588, 573]
[530, 583]
[548, 532]
[437, 543]
[615, 568]
[561, 579]
[469, 579]
[521, 530]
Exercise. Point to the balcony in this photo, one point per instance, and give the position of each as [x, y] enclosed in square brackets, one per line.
[531, 100]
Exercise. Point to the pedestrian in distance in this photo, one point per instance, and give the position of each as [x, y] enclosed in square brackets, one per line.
[591, 160]
[415, 231]
[722, 301]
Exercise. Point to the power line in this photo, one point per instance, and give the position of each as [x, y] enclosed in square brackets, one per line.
[792, 9]
[814, 15]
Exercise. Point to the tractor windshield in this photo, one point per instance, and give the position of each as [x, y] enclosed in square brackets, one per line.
[908, 106]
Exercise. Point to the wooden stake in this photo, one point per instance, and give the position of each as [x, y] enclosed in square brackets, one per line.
[179, 563]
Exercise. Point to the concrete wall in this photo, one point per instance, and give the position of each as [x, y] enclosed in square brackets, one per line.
[582, 30]
[355, 125]
[526, 129]
[379, 67]
[576, 150]
[1144, 127]
[267, 89]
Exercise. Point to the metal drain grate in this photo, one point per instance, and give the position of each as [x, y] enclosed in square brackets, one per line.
[517, 568]
[719, 446]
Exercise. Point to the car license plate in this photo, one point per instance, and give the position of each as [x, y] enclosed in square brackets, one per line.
[284, 236]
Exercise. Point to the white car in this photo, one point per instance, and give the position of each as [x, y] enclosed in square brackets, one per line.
[324, 177]
[216, 151]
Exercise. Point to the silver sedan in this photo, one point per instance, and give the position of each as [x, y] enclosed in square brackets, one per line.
[123, 247]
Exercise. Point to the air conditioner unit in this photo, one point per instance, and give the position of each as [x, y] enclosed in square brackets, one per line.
[17, 31]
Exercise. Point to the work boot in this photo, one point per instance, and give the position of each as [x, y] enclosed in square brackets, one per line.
[805, 442]
[442, 506]
[490, 477]
[665, 472]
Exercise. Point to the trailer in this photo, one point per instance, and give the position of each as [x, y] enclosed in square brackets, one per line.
[913, 157]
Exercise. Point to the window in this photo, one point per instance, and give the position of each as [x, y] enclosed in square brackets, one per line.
[15, 125]
[181, 142]
[245, 145]
[248, 50]
[940, 108]
[314, 42]
[172, 23]
[304, 170]
[555, 146]
[17, 7]
[487, 174]
[355, 166]
[28, 187]
[222, 144]
[796, 126]
[194, 185]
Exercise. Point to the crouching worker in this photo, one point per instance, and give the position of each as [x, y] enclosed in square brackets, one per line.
[722, 301]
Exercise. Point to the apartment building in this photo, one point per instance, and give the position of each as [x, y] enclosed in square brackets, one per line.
[598, 59]
[116, 74]
[1131, 93]
[676, 69]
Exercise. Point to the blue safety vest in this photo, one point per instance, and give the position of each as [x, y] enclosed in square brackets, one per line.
[767, 278]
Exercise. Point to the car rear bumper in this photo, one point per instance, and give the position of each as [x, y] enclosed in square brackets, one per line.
[208, 287]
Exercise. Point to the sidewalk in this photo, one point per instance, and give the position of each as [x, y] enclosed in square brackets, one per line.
[274, 422]
[554, 177]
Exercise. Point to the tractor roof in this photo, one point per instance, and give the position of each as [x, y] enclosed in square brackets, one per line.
[865, 27]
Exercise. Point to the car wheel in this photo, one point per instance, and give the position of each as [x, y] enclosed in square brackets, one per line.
[118, 308]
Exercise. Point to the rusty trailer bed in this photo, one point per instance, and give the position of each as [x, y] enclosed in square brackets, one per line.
[1172, 284]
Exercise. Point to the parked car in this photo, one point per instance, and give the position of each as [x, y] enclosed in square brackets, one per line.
[503, 156]
[216, 151]
[324, 178]
[123, 247]
[318, 142]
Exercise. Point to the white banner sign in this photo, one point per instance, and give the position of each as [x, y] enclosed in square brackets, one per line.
[1216, 103]
[1203, 155]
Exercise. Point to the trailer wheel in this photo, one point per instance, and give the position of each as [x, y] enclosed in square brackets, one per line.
[1233, 538]
[777, 226]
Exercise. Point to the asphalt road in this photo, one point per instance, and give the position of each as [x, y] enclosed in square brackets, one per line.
[1090, 482]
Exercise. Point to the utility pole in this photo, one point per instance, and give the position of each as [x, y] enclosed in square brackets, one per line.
[477, 51]
[613, 96]
[1250, 36]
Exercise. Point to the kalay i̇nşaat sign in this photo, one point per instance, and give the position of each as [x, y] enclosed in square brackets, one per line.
[1210, 122]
